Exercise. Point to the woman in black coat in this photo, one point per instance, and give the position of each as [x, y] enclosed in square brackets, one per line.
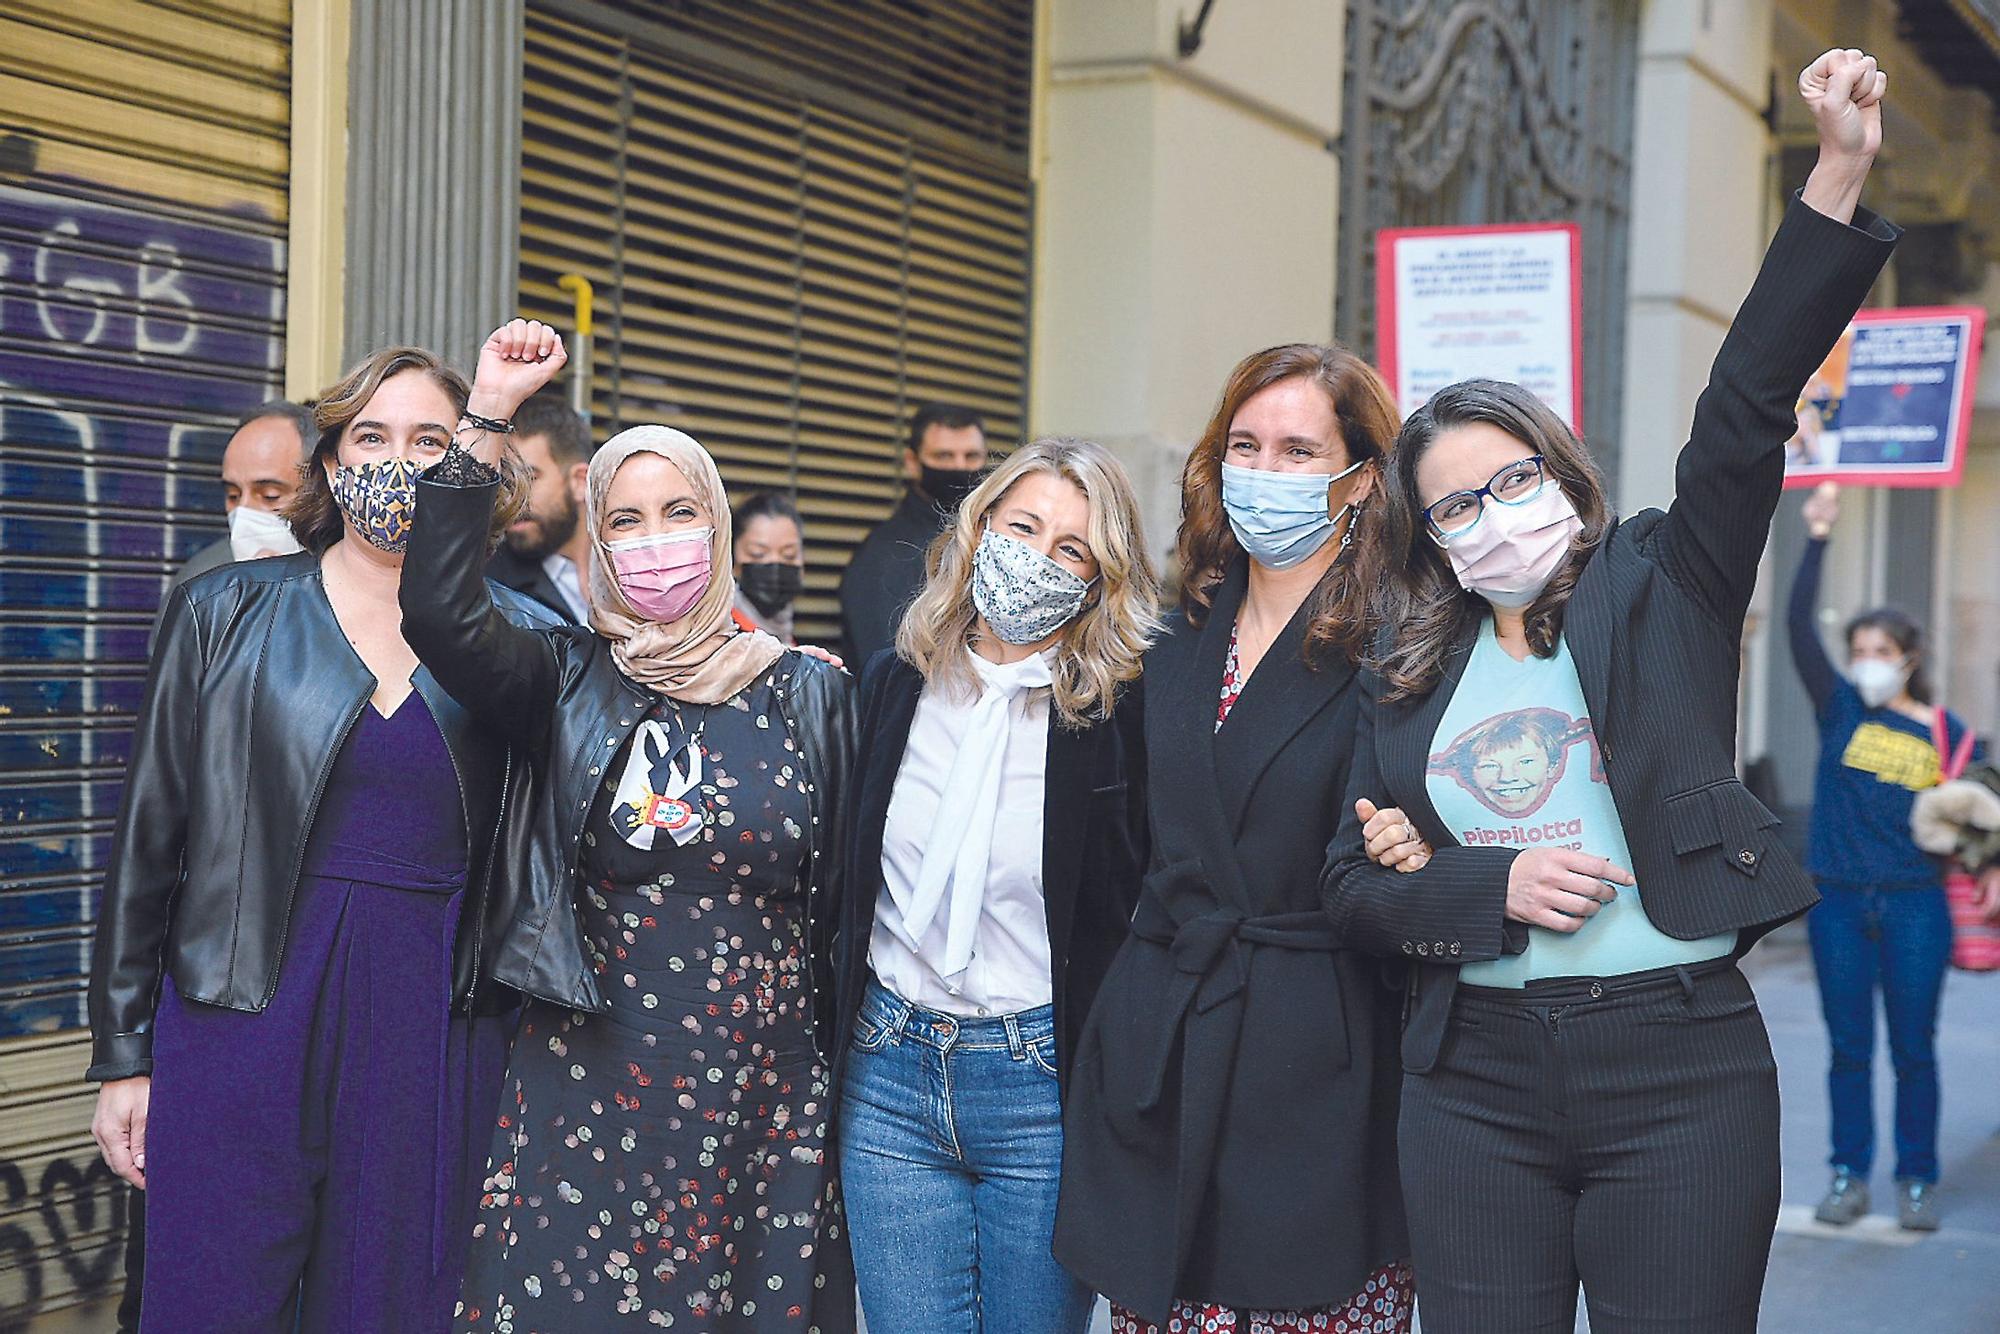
[1230, 1130]
[995, 851]
[1590, 1093]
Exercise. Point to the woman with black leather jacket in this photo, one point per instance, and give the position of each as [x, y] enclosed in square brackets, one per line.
[292, 923]
[662, 1142]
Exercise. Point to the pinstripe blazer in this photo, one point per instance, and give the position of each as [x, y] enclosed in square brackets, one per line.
[1655, 626]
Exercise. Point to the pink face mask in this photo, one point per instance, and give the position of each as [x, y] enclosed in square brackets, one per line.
[663, 575]
[1512, 552]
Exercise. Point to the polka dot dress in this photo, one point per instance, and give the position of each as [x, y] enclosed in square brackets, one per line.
[1384, 1305]
[663, 1165]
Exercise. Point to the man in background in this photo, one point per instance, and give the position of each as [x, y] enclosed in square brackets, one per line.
[545, 553]
[260, 475]
[942, 463]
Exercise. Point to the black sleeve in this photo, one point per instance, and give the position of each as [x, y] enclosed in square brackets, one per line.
[1731, 473]
[1130, 719]
[147, 844]
[827, 695]
[1809, 654]
[505, 674]
[867, 622]
[1459, 896]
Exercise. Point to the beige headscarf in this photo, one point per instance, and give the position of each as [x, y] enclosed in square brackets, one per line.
[704, 657]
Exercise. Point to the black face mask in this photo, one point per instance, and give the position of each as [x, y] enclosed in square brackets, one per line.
[948, 487]
[771, 586]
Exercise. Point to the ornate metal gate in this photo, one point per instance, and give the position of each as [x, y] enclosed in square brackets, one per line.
[1477, 111]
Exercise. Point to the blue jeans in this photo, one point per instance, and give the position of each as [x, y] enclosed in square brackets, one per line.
[1897, 941]
[950, 1156]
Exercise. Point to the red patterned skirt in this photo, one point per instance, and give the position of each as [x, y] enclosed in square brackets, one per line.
[1384, 1305]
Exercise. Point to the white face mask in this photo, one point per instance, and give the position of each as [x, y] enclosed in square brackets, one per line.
[1509, 555]
[1877, 680]
[255, 532]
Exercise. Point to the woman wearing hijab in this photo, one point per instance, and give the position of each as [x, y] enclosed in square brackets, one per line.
[995, 850]
[661, 1153]
[1589, 1096]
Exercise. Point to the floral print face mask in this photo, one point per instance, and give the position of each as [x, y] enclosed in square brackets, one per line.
[380, 500]
[1023, 595]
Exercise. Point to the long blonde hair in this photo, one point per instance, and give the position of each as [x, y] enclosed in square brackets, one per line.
[1099, 650]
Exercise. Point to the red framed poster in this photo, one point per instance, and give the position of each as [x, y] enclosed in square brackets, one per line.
[1892, 403]
[1503, 302]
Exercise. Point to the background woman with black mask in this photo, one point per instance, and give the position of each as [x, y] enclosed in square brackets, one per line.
[1590, 1093]
[995, 850]
[291, 934]
[1882, 923]
[770, 550]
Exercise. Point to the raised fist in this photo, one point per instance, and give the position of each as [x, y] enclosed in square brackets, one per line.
[1844, 90]
[520, 357]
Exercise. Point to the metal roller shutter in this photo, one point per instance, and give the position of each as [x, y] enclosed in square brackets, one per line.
[782, 269]
[143, 192]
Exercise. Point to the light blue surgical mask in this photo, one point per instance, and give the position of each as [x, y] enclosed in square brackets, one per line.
[1280, 518]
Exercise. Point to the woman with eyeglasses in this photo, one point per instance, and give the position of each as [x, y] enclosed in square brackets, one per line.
[1589, 1094]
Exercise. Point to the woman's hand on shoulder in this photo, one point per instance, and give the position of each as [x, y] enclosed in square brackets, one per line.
[825, 655]
[1392, 840]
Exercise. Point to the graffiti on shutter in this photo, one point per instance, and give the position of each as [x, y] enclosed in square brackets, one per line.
[143, 189]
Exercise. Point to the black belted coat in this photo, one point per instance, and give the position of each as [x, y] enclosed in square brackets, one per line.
[1230, 1130]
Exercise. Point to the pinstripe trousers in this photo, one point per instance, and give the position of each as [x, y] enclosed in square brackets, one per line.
[1626, 1140]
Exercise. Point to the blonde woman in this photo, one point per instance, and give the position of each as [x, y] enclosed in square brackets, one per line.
[996, 840]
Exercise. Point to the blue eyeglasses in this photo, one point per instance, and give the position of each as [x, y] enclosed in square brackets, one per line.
[1455, 514]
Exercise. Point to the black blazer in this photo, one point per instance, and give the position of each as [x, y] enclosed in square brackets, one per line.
[1093, 822]
[1655, 626]
[1230, 1135]
[885, 574]
[528, 578]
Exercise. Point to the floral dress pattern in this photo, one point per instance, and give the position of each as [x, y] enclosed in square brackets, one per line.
[663, 1165]
[1383, 1306]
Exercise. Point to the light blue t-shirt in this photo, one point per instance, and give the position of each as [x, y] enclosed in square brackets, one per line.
[1515, 764]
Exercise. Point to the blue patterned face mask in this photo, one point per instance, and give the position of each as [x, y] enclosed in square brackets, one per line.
[1280, 518]
[1021, 594]
[379, 499]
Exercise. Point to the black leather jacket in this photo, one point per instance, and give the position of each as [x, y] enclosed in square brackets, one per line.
[253, 690]
[558, 692]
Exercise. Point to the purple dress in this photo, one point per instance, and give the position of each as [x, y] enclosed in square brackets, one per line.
[319, 1156]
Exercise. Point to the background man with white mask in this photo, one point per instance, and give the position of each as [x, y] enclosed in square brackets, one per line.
[260, 476]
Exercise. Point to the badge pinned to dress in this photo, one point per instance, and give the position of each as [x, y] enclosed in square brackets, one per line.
[660, 788]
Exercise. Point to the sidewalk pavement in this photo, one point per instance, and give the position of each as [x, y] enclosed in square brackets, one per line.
[1873, 1276]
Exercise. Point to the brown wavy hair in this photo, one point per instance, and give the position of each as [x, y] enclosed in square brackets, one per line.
[1425, 612]
[1366, 411]
[313, 513]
